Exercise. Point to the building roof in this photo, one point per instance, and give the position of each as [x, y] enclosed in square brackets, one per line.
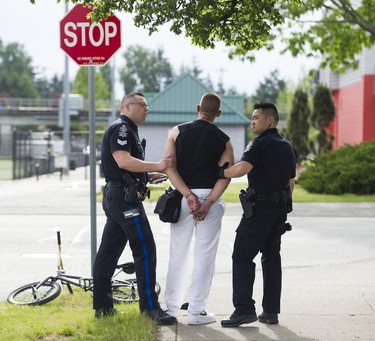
[178, 102]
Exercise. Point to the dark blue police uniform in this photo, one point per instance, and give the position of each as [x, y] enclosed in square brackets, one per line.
[274, 163]
[126, 221]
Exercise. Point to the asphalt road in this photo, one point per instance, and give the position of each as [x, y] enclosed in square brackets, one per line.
[324, 236]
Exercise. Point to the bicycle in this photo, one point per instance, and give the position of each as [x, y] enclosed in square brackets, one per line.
[38, 293]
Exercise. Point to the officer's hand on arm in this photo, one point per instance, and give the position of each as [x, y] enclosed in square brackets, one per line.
[220, 170]
[236, 171]
[166, 162]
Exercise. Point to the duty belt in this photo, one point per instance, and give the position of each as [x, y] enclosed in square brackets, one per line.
[114, 184]
[271, 197]
[133, 193]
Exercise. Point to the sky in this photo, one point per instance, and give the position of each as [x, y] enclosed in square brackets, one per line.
[36, 27]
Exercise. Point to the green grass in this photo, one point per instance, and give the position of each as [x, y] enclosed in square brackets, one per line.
[6, 169]
[299, 195]
[71, 317]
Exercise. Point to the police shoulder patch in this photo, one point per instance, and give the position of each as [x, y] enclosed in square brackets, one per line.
[122, 142]
[122, 133]
[248, 147]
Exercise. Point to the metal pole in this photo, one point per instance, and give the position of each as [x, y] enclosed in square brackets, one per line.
[92, 140]
[66, 111]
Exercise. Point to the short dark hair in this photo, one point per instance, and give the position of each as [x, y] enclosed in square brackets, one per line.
[269, 109]
[130, 95]
[210, 103]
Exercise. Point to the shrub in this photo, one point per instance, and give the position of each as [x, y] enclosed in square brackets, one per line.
[349, 169]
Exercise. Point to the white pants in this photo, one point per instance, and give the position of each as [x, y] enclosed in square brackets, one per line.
[207, 233]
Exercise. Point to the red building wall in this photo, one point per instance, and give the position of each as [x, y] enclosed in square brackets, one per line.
[369, 108]
[355, 113]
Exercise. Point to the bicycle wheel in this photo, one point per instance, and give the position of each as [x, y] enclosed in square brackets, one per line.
[127, 291]
[28, 295]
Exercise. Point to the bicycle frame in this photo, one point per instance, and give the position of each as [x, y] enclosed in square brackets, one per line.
[85, 283]
[37, 293]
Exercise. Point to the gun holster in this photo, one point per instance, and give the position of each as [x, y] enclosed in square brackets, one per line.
[289, 201]
[134, 190]
[247, 202]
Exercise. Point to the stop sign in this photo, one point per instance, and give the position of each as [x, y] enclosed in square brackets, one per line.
[87, 42]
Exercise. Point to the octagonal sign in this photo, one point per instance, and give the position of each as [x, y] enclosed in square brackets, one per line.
[86, 42]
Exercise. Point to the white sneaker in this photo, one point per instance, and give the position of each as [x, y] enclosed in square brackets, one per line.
[201, 318]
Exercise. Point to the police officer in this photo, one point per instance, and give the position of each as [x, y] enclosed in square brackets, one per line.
[270, 164]
[125, 172]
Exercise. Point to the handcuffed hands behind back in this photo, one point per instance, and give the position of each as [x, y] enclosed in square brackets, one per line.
[193, 202]
[202, 211]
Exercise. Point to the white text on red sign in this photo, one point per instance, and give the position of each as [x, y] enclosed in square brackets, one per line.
[88, 31]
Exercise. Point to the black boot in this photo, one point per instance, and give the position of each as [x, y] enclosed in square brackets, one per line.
[236, 320]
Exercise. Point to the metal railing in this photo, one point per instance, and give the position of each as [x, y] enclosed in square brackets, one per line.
[22, 103]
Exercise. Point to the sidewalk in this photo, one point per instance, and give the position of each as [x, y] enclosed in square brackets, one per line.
[322, 303]
[328, 260]
[328, 280]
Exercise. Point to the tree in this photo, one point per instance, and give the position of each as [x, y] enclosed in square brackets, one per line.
[145, 70]
[269, 89]
[49, 88]
[105, 70]
[298, 123]
[334, 30]
[195, 69]
[16, 72]
[80, 86]
[322, 115]
[285, 98]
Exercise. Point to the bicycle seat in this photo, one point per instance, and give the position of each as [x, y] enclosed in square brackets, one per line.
[127, 267]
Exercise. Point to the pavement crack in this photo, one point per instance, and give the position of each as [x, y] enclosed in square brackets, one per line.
[367, 301]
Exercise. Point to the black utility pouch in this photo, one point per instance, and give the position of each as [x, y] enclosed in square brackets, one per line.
[247, 203]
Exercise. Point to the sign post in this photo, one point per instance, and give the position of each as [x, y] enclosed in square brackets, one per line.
[88, 44]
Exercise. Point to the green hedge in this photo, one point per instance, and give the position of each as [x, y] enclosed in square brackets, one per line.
[349, 169]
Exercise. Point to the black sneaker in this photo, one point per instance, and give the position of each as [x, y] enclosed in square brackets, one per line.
[104, 312]
[268, 318]
[236, 320]
[161, 317]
